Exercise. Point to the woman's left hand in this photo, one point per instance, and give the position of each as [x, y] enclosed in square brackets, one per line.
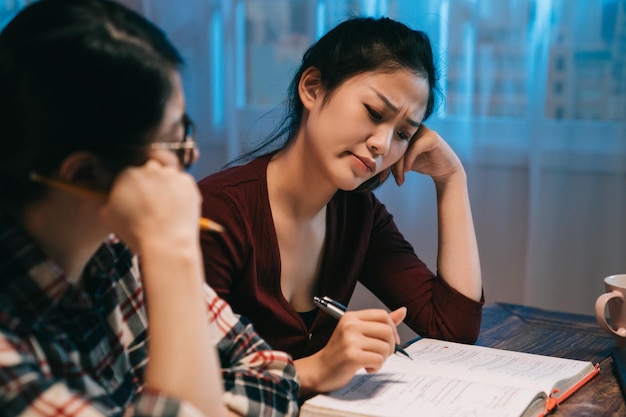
[430, 155]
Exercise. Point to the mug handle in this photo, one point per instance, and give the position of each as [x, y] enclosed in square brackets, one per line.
[601, 312]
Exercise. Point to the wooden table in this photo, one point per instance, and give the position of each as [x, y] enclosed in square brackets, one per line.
[575, 336]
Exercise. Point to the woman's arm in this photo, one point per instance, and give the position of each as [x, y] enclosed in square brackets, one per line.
[155, 210]
[458, 260]
[188, 321]
[258, 381]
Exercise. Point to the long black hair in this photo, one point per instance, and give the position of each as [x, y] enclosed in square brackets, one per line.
[77, 75]
[353, 47]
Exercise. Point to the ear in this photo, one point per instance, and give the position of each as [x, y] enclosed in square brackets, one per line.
[85, 169]
[310, 87]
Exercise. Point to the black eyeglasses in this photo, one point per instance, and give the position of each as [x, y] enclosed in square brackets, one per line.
[186, 150]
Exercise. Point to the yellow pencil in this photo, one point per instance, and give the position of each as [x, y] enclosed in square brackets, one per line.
[205, 224]
[210, 225]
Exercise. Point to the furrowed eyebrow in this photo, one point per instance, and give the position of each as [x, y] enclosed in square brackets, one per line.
[394, 108]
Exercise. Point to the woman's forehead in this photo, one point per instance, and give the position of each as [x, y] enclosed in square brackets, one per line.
[400, 88]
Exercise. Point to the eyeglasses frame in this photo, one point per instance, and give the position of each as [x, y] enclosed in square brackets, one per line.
[187, 148]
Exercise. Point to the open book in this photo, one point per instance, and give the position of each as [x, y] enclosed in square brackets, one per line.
[452, 379]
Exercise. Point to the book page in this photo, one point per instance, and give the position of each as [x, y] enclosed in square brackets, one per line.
[494, 366]
[452, 379]
[406, 395]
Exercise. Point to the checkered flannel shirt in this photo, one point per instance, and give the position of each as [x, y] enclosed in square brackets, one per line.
[80, 350]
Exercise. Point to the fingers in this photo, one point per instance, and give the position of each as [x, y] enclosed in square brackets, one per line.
[374, 326]
[359, 343]
[362, 339]
[397, 170]
[153, 201]
[398, 315]
[428, 154]
[421, 142]
[425, 140]
[332, 367]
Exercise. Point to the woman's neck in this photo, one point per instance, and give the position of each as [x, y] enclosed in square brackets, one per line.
[66, 229]
[301, 193]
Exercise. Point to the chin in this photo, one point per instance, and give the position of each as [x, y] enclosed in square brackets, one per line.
[347, 189]
[350, 181]
[351, 185]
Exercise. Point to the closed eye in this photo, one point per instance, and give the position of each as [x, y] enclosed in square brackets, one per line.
[403, 135]
[374, 115]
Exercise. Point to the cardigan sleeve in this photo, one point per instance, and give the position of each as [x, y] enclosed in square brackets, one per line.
[394, 273]
[224, 254]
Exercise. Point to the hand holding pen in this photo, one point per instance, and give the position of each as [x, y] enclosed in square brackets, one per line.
[337, 310]
[362, 339]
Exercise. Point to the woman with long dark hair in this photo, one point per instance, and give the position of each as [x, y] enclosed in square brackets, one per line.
[302, 220]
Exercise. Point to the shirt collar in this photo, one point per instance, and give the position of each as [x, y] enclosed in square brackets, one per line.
[30, 281]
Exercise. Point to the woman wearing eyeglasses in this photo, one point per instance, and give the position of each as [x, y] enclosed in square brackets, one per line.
[103, 305]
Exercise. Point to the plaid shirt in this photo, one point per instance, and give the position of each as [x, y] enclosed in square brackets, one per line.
[80, 350]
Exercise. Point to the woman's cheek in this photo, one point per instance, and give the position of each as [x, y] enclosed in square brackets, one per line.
[397, 152]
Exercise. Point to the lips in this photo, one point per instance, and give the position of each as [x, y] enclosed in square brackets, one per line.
[368, 162]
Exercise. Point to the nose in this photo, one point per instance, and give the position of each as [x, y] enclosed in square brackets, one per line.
[380, 142]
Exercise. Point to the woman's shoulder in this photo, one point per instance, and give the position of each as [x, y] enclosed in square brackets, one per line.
[237, 192]
[250, 173]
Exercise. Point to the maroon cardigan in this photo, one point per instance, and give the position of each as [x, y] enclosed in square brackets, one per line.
[362, 244]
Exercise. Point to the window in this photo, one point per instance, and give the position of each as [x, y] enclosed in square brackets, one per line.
[510, 70]
[8, 9]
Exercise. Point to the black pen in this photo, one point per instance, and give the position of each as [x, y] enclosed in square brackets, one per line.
[337, 310]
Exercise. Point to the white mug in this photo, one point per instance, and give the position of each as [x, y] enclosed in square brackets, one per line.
[614, 296]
